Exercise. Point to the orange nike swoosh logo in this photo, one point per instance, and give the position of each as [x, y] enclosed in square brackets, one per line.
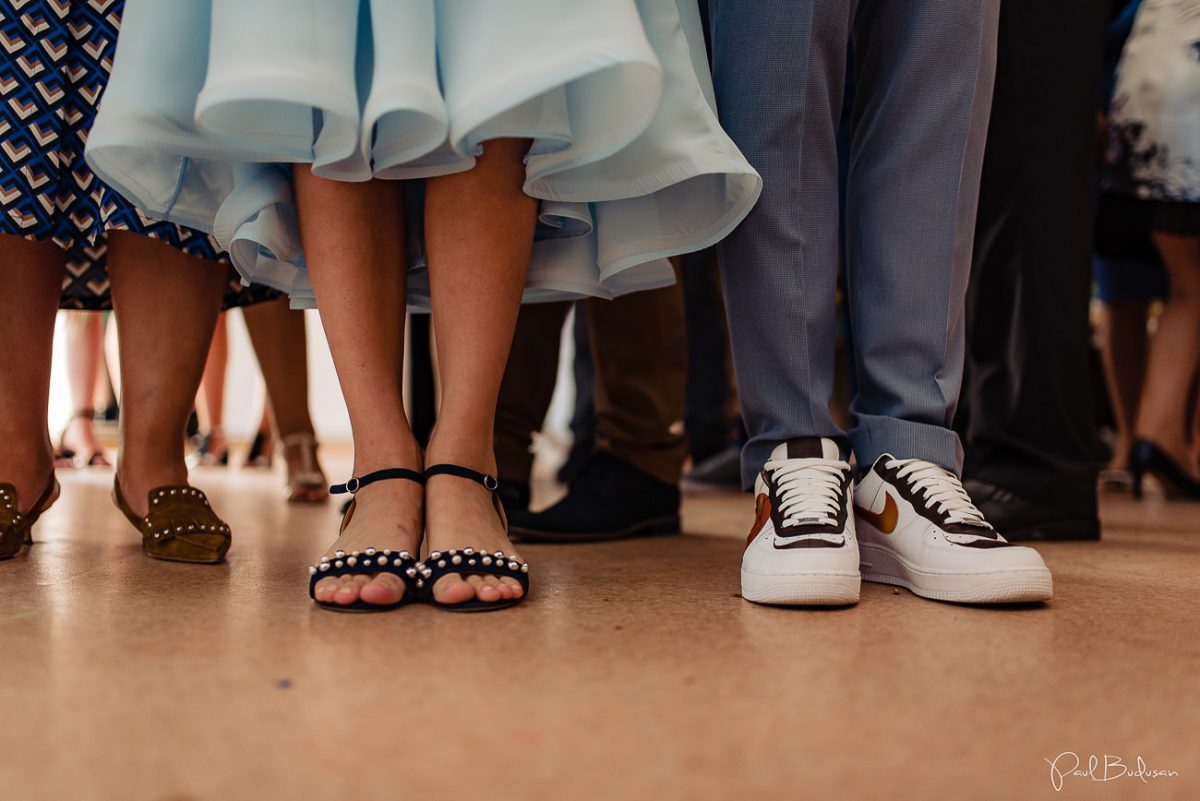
[884, 521]
[762, 513]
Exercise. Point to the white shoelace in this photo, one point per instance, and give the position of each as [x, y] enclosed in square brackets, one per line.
[941, 490]
[810, 491]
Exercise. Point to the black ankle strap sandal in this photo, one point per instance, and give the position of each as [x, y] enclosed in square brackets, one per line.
[355, 484]
[370, 561]
[471, 561]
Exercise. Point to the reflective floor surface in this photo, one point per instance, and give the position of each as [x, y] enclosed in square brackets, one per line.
[634, 671]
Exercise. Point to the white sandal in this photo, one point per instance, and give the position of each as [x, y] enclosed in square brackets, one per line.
[308, 484]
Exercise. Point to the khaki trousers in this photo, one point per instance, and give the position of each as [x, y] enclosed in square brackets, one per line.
[639, 345]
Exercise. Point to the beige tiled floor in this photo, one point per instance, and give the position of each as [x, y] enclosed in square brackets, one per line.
[634, 671]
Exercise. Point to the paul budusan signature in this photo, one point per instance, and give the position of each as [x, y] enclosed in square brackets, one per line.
[1106, 768]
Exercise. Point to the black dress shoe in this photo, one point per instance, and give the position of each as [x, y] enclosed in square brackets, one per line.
[610, 499]
[514, 496]
[577, 457]
[1146, 457]
[722, 469]
[1019, 517]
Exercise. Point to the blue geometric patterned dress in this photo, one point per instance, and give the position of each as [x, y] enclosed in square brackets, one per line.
[55, 59]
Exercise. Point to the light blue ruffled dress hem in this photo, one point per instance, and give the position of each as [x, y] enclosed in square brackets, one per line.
[628, 159]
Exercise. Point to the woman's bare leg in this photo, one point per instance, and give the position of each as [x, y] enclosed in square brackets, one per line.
[112, 355]
[1123, 350]
[1195, 415]
[354, 247]
[31, 272]
[479, 229]
[167, 304]
[1166, 415]
[280, 343]
[85, 351]
[211, 399]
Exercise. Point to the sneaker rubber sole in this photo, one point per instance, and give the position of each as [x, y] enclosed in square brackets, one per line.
[884, 566]
[801, 589]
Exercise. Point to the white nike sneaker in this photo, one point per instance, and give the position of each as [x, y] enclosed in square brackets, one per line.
[802, 549]
[919, 529]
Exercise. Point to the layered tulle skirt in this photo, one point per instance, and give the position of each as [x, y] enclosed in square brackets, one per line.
[211, 101]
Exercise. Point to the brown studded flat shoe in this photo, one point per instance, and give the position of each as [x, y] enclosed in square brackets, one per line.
[181, 526]
[16, 527]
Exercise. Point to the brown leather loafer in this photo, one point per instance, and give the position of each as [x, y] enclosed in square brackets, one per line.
[181, 526]
[16, 527]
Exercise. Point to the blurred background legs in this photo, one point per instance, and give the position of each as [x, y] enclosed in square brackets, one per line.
[626, 483]
[711, 418]
[281, 345]
[210, 402]
[77, 445]
[1123, 335]
[1165, 420]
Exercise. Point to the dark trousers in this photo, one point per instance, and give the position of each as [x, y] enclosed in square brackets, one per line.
[711, 417]
[639, 351]
[1026, 411]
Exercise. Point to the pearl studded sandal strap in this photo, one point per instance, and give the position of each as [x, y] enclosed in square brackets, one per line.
[466, 562]
[367, 562]
[355, 484]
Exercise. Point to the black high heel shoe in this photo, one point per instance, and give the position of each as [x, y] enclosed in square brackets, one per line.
[1146, 457]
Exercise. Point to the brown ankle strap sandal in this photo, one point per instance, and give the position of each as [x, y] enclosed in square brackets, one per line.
[16, 527]
[180, 527]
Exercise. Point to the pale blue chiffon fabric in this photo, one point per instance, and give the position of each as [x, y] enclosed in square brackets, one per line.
[210, 100]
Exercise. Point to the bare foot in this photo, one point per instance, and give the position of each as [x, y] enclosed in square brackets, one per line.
[461, 515]
[387, 514]
[79, 439]
[214, 450]
[305, 478]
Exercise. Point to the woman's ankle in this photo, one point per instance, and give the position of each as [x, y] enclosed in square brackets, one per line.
[28, 469]
[477, 454]
[139, 473]
[80, 433]
[382, 456]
